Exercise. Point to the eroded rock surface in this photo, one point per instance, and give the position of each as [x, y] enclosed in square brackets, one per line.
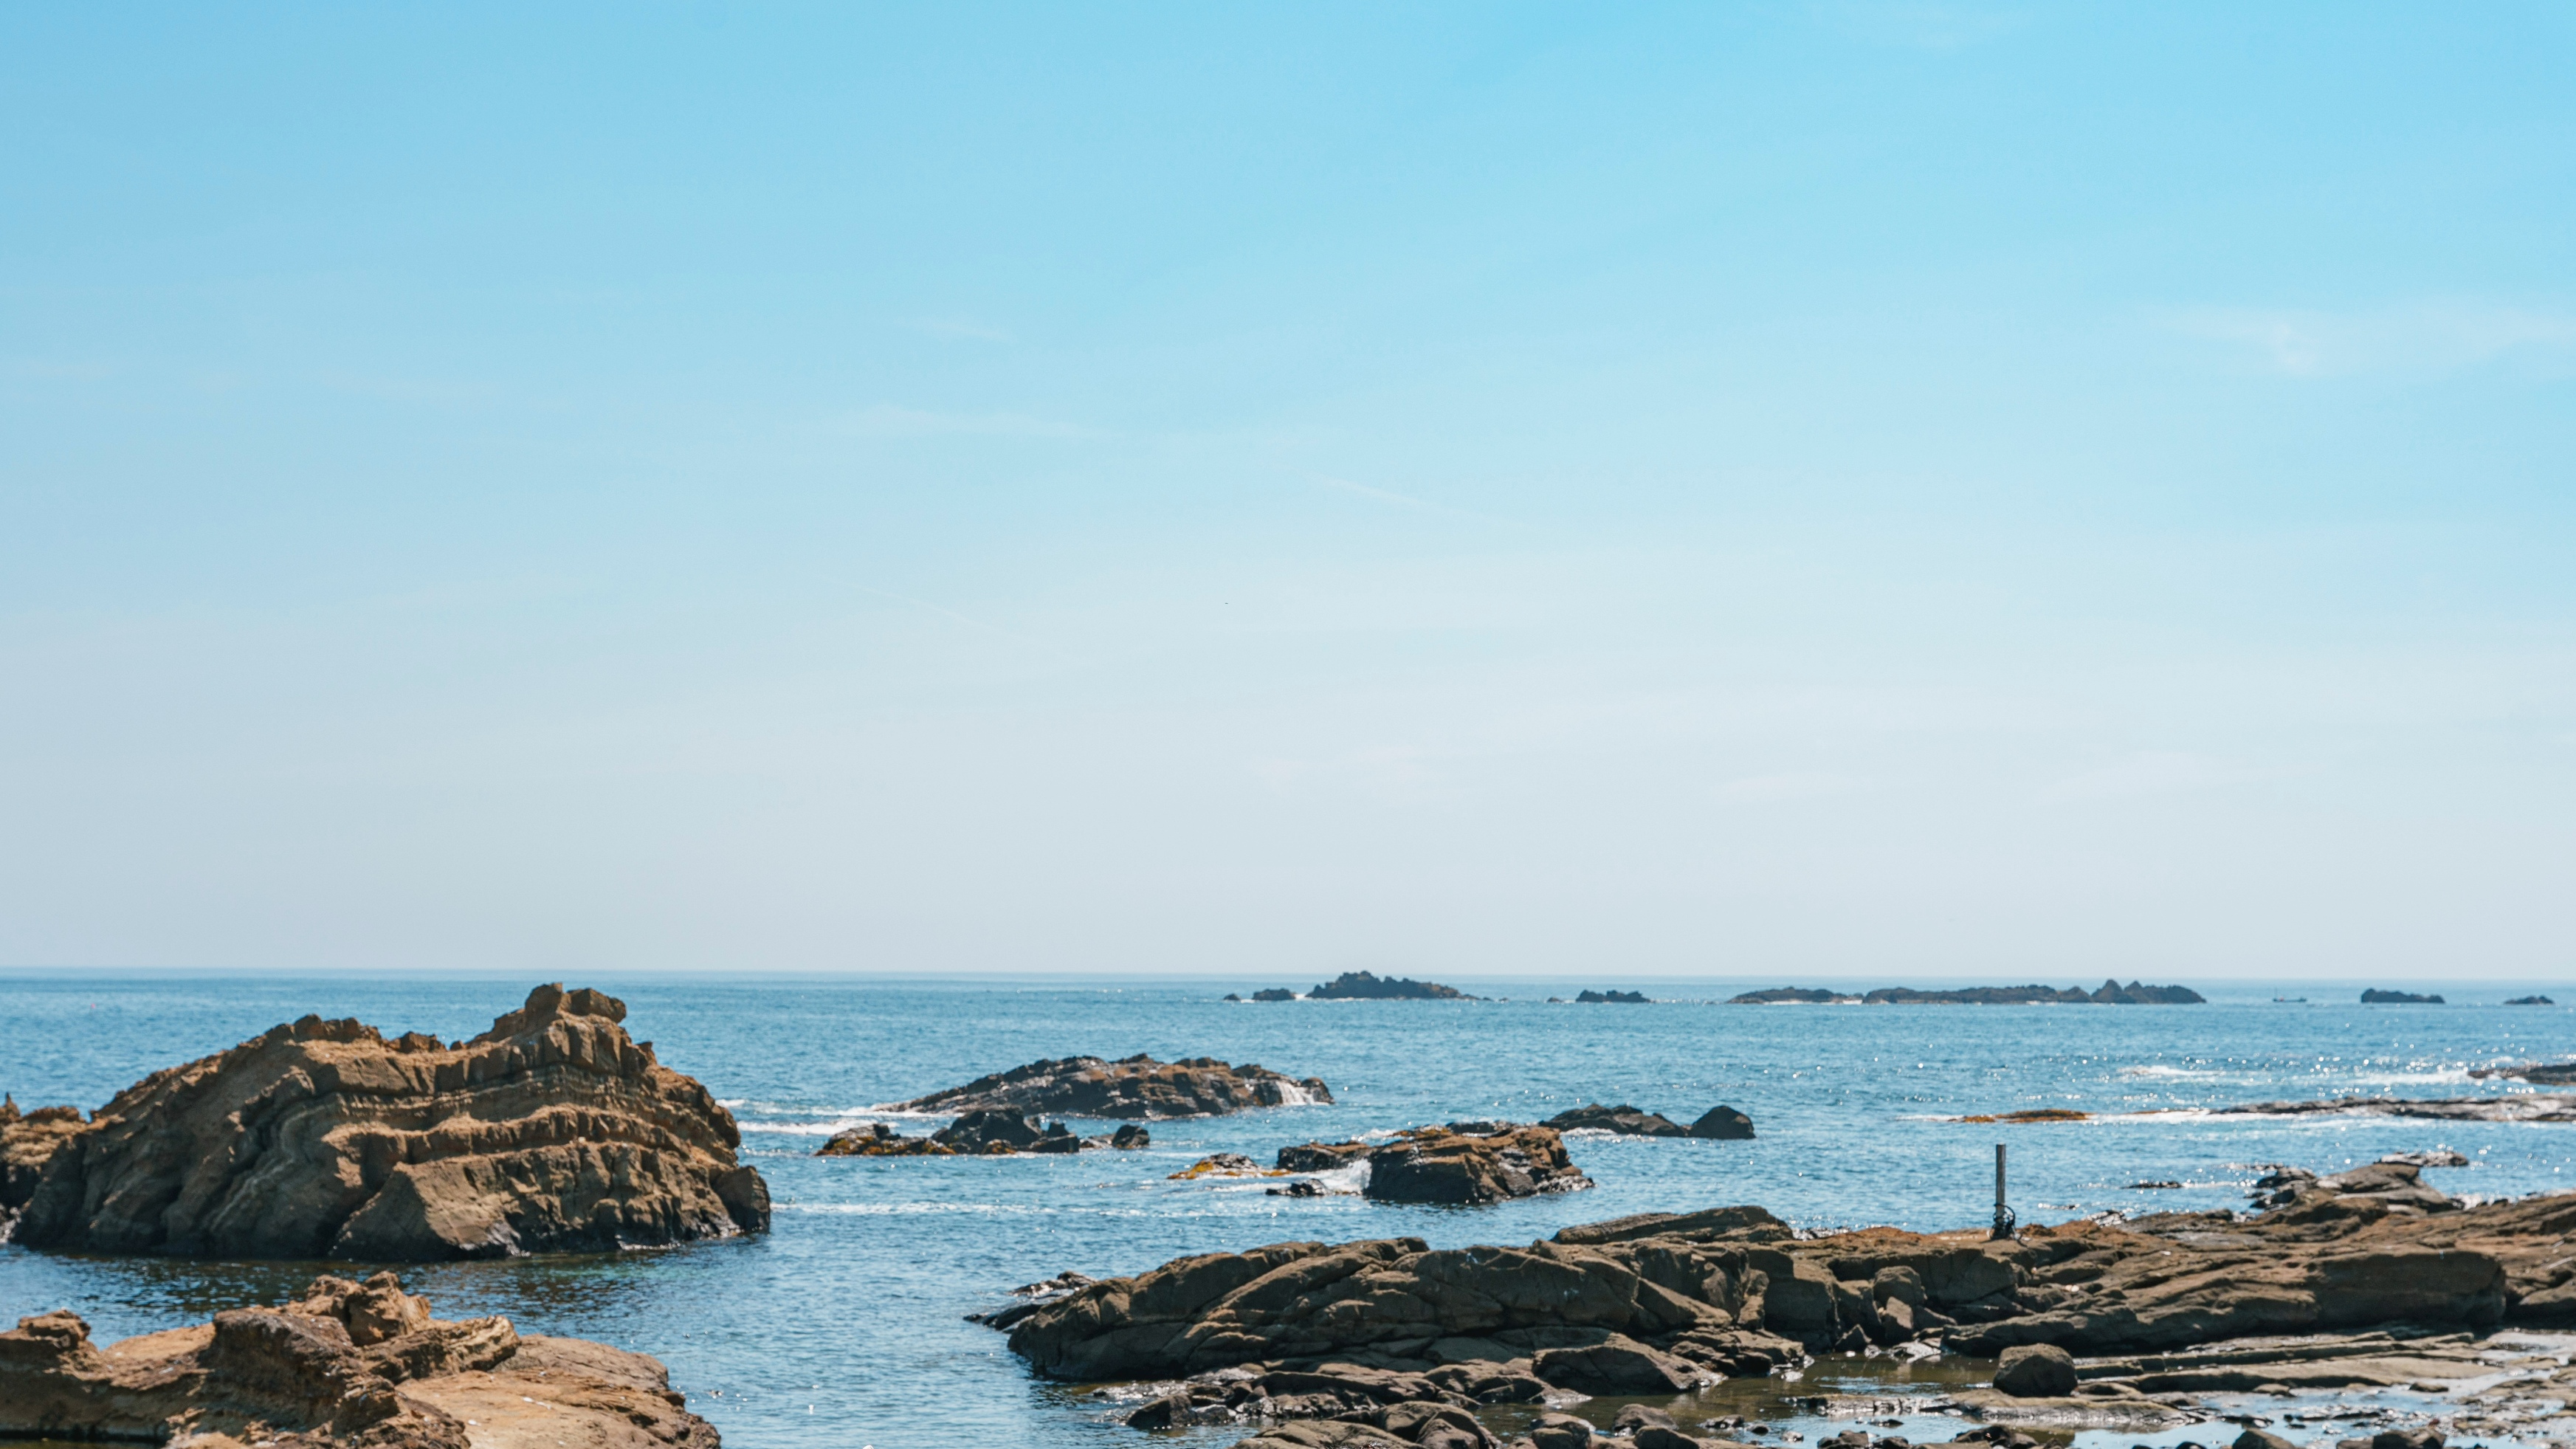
[553, 1131]
[28, 1140]
[1467, 1163]
[1648, 1304]
[351, 1364]
[1133, 1088]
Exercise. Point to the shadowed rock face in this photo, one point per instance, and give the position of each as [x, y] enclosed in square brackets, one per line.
[351, 1364]
[28, 1140]
[551, 1132]
[1134, 1088]
[1623, 1119]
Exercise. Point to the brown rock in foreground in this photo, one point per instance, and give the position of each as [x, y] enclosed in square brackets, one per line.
[1729, 1290]
[28, 1141]
[1136, 1087]
[550, 1132]
[352, 1364]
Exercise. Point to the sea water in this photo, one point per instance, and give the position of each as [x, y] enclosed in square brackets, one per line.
[846, 1323]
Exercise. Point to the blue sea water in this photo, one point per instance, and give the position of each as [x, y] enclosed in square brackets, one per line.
[845, 1324]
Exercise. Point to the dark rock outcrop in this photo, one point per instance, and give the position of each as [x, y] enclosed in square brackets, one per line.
[1623, 1119]
[1722, 1123]
[1275, 993]
[349, 1365]
[2552, 1074]
[997, 1131]
[2109, 993]
[2376, 997]
[2529, 1001]
[1133, 1088]
[1363, 986]
[551, 1132]
[1469, 1163]
[1130, 1137]
[1615, 998]
[1322, 1156]
[876, 1139]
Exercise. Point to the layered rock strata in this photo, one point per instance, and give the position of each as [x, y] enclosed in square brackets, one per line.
[553, 1131]
[1655, 1303]
[28, 1140]
[349, 1365]
[1133, 1088]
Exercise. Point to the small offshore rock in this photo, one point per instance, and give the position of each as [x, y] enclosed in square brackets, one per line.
[1618, 998]
[1623, 1119]
[1723, 1124]
[1275, 993]
[1130, 1089]
[1302, 1187]
[999, 1132]
[1131, 1137]
[876, 1139]
[2036, 1371]
[1447, 1165]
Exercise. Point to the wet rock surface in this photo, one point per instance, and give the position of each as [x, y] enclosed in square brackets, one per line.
[1134, 1088]
[553, 1131]
[1623, 1119]
[354, 1364]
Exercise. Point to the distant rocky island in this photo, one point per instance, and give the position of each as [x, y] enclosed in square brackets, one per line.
[2530, 1001]
[2109, 993]
[1130, 1088]
[1362, 986]
[1621, 998]
[2398, 998]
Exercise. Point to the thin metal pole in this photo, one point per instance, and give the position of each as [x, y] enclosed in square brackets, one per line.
[2003, 1214]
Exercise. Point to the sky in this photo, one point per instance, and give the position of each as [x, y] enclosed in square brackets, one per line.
[1879, 490]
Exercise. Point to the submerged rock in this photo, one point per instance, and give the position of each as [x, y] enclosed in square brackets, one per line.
[323, 1139]
[350, 1364]
[1136, 1087]
[1464, 1167]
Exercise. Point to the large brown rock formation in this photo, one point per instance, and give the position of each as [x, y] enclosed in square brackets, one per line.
[551, 1132]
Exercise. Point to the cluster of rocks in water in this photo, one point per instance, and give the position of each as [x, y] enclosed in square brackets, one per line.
[361, 1365]
[2109, 993]
[1136, 1088]
[1719, 1123]
[1367, 986]
[2369, 1277]
[2377, 997]
[553, 1131]
[1005, 1113]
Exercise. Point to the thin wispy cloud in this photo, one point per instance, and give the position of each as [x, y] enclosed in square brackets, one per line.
[2423, 337]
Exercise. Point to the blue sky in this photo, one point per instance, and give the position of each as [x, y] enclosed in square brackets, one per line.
[1598, 492]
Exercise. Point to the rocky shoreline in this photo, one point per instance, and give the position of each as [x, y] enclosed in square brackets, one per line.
[2369, 1277]
[358, 1365]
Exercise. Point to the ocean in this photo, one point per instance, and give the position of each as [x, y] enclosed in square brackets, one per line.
[845, 1325]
